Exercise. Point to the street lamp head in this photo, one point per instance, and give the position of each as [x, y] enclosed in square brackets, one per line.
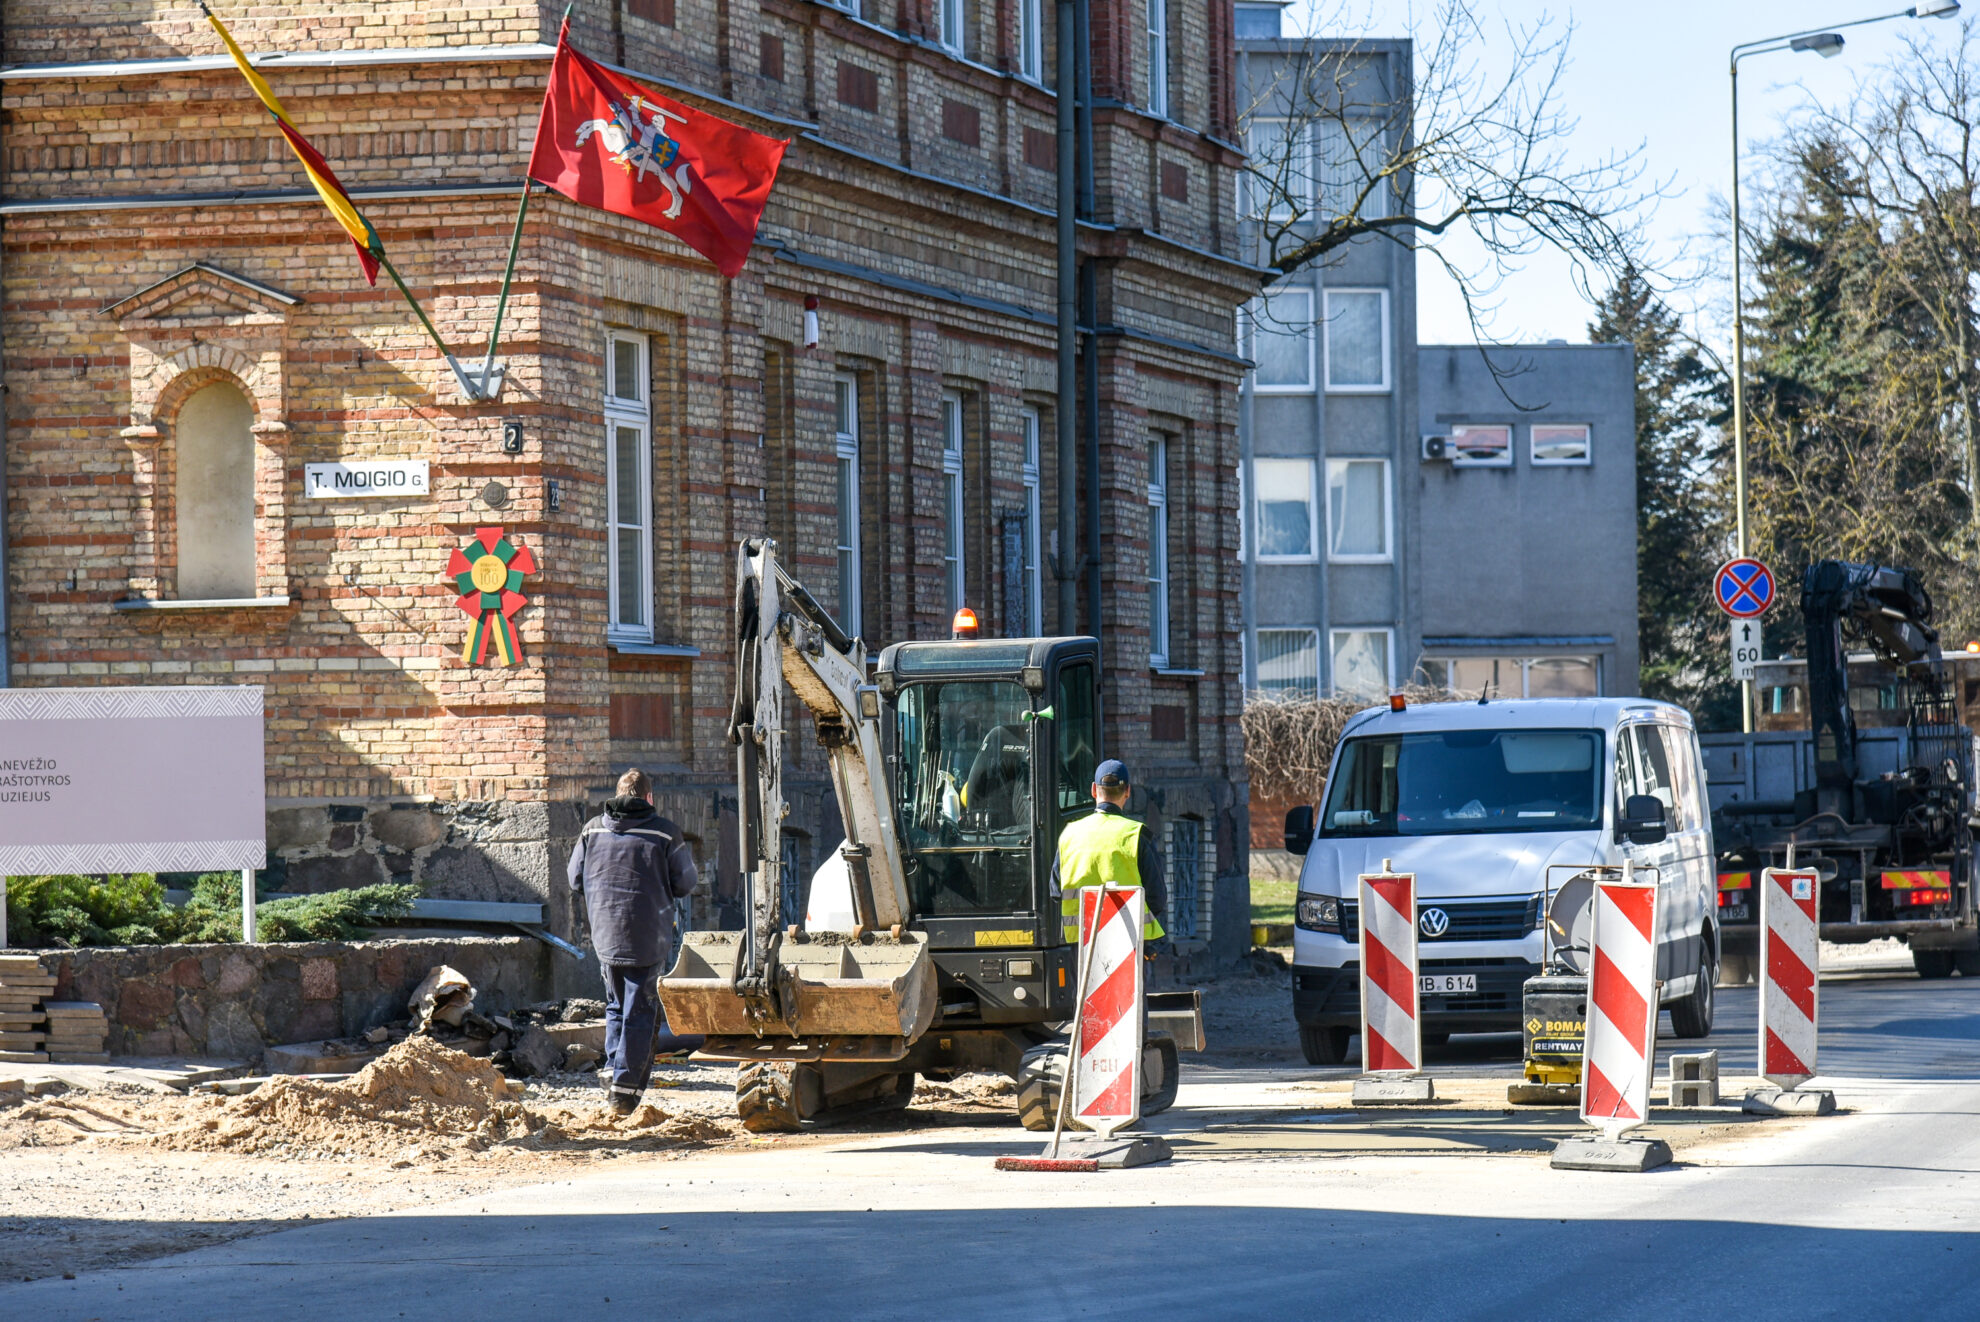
[1936, 9]
[1828, 45]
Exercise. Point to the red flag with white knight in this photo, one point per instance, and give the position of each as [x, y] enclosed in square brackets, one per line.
[607, 142]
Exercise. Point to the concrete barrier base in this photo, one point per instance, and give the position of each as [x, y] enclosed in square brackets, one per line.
[1790, 1101]
[1604, 1154]
[1088, 1153]
[1378, 1090]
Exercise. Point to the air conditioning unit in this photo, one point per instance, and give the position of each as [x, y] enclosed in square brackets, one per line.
[1435, 447]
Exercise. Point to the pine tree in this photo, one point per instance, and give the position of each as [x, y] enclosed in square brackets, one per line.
[1683, 524]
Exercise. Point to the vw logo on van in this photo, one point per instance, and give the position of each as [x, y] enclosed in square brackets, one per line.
[1434, 922]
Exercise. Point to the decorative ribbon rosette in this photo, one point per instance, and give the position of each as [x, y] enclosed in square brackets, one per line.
[489, 573]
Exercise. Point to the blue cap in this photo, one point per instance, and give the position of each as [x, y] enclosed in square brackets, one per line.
[1111, 773]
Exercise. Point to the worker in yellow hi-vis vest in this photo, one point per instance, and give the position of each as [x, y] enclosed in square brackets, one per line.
[1107, 845]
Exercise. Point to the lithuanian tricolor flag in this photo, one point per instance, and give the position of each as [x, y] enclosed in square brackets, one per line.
[363, 237]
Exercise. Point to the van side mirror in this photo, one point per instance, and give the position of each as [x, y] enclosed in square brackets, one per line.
[1299, 829]
[1642, 820]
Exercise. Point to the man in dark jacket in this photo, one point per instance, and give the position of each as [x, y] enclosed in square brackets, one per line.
[630, 863]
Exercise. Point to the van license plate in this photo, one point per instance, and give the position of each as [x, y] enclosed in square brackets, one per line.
[1445, 984]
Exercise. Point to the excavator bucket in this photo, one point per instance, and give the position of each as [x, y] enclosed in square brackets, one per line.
[844, 997]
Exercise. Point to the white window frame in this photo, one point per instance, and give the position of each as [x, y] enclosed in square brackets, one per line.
[1031, 40]
[1158, 551]
[844, 6]
[1387, 553]
[1312, 510]
[1327, 355]
[1459, 459]
[949, 19]
[1341, 142]
[1388, 648]
[1158, 58]
[1261, 307]
[954, 548]
[1034, 579]
[1319, 673]
[1587, 445]
[845, 436]
[1289, 203]
[637, 415]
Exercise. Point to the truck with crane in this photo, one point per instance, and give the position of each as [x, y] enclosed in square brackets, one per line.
[933, 942]
[1886, 816]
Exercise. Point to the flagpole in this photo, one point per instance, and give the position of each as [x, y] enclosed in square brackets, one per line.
[508, 274]
[467, 387]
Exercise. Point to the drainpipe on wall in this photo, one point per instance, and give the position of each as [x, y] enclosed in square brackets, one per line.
[1089, 316]
[1064, 414]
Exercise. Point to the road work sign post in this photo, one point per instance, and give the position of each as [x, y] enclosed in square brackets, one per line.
[1391, 992]
[1102, 1090]
[1622, 1031]
[1790, 986]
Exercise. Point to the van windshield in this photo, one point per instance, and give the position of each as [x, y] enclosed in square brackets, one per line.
[1466, 782]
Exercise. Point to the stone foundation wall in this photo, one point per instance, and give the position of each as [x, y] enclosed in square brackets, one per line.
[232, 1001]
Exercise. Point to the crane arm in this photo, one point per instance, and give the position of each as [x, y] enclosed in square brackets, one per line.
[1889, 607]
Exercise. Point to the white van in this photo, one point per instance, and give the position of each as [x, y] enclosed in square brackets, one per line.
[1479, 800]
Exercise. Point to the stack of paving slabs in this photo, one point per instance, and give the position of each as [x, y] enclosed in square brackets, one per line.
[22, 985]
[76, 1030]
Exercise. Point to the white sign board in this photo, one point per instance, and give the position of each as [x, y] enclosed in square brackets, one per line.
[370, 477]
[1745, 648]
[131, 780]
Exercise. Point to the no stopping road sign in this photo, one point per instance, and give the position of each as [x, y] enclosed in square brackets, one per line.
[1743, 588]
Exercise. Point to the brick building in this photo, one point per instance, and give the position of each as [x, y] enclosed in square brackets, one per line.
[185, 329]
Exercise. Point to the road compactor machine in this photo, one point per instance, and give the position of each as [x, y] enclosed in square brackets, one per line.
[932, 943]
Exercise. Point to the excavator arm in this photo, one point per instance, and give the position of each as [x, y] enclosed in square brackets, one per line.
[859, 995]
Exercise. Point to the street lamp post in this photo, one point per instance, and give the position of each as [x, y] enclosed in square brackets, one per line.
[1828, 43]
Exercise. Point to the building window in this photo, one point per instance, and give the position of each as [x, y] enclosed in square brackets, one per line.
[952, 500]
[1182, 848]
[1517, 677]
[1031, 40]
[1289, 660]
[1357, 340]
[1351, 156]
[845, 396]
[629, 488]
[1158, 58]
[949, 14]
[213, 494]
[1361, 662]
[846, 6]
[1286, 516]
[1278, 331]
[1358, 510]
[1481, 447]
[1158, 551]
[1278, 183]
[1557, 443]
[1034, 587]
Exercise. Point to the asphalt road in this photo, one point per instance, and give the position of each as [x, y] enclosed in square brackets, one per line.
[1868, 1214]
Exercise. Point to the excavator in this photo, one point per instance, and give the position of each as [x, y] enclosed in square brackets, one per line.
[931, 944]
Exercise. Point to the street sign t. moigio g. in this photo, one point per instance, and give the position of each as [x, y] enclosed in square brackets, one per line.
[1746, 648]
[1743, 588]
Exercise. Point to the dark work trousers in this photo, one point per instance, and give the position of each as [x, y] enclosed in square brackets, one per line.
[632, 1008]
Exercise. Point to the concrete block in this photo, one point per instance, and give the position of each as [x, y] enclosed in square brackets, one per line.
[1695, 1066]
[1790, 1101]
[1544, 1094]
[1605, 1154]
[1376, 1090]
[1078, 1153]
[1694, 1092]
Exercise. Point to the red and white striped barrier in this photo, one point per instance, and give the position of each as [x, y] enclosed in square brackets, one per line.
[1622, 1006]
[1391, 1027]
[1788, 986]
[1106, 1092]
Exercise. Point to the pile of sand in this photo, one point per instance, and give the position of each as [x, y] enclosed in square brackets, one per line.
[419, 1101]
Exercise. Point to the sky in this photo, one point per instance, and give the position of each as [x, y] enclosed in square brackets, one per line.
[1654, 75]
